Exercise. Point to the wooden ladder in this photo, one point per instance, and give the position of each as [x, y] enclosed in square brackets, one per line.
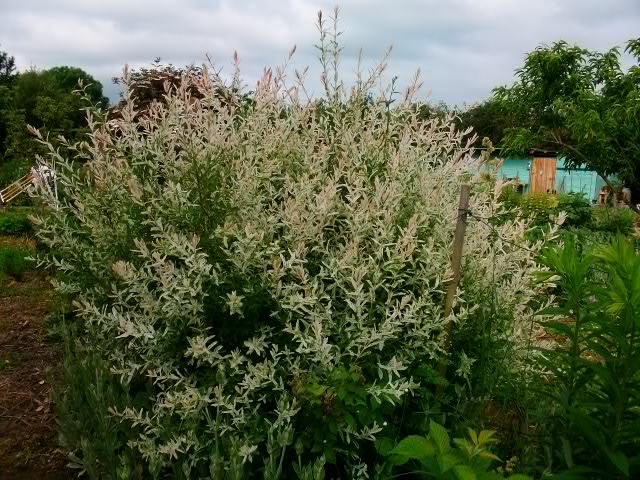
[15, 189]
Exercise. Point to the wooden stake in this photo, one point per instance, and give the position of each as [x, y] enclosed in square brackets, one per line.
[456, 262]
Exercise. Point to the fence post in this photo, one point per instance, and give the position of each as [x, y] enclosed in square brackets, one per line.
[456, 262]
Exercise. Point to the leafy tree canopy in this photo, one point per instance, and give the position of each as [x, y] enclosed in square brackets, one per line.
[487, 120]
[151, 84]
[580, 103]
[48, 100]
[7, 68]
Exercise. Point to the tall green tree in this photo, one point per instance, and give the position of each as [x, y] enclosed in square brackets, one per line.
[583, 104]
[47, 100]
[7, 68]
[487, 120]
[7, 75]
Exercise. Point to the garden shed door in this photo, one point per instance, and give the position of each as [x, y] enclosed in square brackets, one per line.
[543, 174]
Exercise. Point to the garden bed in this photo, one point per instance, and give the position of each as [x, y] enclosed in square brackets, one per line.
[28, 371]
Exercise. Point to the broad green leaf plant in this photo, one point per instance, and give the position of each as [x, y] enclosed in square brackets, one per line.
[467, 459]
[594, 366]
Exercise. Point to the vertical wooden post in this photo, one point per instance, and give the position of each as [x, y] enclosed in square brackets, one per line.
[456, 262]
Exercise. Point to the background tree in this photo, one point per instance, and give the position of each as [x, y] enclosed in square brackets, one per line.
[428, 111]
[7, 75]
[580, 103]
[7, 68]
[151, 84]
[47, 100]
[487, 120]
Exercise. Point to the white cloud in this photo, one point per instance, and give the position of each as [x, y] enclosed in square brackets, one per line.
[464, 47]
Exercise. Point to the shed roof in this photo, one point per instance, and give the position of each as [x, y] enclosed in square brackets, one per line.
[540, 152]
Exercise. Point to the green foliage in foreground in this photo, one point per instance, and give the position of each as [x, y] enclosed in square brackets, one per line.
[467, 459]
[593, 421]
[82, 409]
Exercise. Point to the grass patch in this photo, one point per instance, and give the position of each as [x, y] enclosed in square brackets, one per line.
[13, 262]
[15, 221]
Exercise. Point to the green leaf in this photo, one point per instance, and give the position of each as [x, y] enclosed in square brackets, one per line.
[316, 389]
[413, 447]
[558, 327]
[556, 311]
[430, 375]
[620, 460]
[486, 454]
[566, 451]
[464, 472]
[576, 473]
[519, 476]
[486, 437]
[465, 445]
[330, 455]
[384, 446]
[589, 427]
[440, 436]
[447, 461]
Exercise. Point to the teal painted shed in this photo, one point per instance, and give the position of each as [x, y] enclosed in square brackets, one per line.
[583, 181]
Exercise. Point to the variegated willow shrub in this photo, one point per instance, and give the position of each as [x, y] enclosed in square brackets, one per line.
[262, 280]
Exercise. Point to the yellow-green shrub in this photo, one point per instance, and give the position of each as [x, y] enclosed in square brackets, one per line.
[539, 204]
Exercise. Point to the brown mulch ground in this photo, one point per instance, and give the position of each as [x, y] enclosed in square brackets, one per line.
[29, 363]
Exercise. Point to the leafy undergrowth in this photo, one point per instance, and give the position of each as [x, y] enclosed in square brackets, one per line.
[28, 359]
[15, 221]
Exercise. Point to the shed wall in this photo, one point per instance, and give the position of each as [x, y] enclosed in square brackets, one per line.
[566, 181]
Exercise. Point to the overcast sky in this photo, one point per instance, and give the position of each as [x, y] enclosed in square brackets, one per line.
[463, 47]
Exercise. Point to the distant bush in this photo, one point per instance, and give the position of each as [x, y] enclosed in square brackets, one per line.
[577, 208]
[541, 208]
[12, 170]
[586, 239]
[621, 220]
[509, 196]
[13, 262]
[15, 222]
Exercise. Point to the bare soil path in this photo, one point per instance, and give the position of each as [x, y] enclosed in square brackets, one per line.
[29, 365]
